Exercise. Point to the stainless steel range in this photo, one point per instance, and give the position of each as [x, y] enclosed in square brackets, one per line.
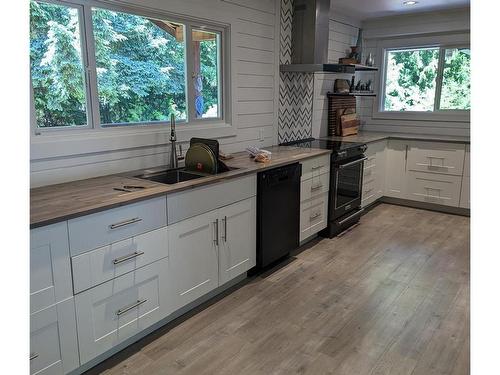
[346, 181]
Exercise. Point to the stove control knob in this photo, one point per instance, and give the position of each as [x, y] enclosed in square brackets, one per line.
[341, 154]
[363, 148]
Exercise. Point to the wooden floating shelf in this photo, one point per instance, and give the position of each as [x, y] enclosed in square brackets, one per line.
[372, 94]
[364, 68]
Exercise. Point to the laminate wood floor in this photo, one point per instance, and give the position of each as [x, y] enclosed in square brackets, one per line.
[389, 297]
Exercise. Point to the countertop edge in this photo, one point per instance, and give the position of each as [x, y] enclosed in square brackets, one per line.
[193, 185]
[410, 137]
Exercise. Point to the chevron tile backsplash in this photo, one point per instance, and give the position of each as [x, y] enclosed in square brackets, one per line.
[295, 89]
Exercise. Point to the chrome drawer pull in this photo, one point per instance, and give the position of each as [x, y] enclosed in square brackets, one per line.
[132, 306]
[126, 222]
[33, 356]
[431, 196]
[435, 166]
[315, 216]
[318, 167]
[316, 187]
[128, 257]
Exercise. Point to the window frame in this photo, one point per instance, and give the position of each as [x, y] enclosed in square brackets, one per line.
[442, 42]
[90, 73]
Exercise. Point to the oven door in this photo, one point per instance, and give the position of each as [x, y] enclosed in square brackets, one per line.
[347, 186]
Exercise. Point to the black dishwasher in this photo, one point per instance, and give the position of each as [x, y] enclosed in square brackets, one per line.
[278, 212]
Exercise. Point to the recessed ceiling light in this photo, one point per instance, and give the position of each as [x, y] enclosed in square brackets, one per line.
[410, 3]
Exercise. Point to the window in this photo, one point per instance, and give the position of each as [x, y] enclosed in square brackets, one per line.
[427, 80]
[121, 68]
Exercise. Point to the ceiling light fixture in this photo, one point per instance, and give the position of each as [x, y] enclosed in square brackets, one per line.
[410, 2]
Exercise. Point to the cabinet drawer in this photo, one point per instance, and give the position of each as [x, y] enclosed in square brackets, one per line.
[313, 216]
[186, 204]
[102, 228]
[369, 193]
[314, 186]
[53, 345]
[118, 309]
[105, 263]
[315, 166]
[50, 271]
[434, 188]
[443, 158]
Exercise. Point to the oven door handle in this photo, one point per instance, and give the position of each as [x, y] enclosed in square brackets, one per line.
[342, 166]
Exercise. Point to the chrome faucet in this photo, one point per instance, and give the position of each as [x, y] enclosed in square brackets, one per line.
[174, 159]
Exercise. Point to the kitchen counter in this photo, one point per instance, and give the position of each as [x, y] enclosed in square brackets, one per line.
[54, 203]
[367, 137]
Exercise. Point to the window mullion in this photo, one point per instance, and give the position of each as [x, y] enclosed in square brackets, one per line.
[90, 67]
[191, 110]
[439, 80]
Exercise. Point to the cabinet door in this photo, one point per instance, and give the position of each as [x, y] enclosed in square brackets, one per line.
[53, 346]
[395, 180]
[120, 308]
[465, 193]
[50, 272]
[237, 244]
[193, 256]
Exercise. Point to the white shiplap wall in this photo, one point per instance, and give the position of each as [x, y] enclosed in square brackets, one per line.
[254, 34]
[343, 34]
[437, 24]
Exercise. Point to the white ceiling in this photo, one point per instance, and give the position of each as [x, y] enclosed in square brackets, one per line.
[365, 9]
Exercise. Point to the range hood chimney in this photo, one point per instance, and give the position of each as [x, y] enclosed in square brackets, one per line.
[310, 31]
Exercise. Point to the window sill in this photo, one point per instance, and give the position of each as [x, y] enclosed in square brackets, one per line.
[54, 144]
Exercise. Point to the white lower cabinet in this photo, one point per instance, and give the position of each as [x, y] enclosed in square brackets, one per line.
[193, 256]
[435, 188]
[465, 192]
[210, 249]
[237, 245]
[50, 270]
[374, 173]
[395, 176]
[53, 339]
[105, 263]
[120, 308]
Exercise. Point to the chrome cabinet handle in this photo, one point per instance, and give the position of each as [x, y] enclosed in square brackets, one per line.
[132, 306]
[225, 229]
[216, 225]
[315, 216]
[435, 166]
[318, 167]
[33, 356]
[342, 166]
[359, 212]
[431, 196]
[128, 257]
[316, 187]
[126, 222]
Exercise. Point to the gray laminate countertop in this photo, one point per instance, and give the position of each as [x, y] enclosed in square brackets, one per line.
[368, 136]
[54, 203]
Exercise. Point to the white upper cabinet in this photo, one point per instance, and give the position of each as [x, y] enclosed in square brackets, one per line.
[193, 256]
[50, 270]
[395, 176]
[237, 239]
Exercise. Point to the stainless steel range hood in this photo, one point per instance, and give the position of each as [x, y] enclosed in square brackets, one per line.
[310, 31]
